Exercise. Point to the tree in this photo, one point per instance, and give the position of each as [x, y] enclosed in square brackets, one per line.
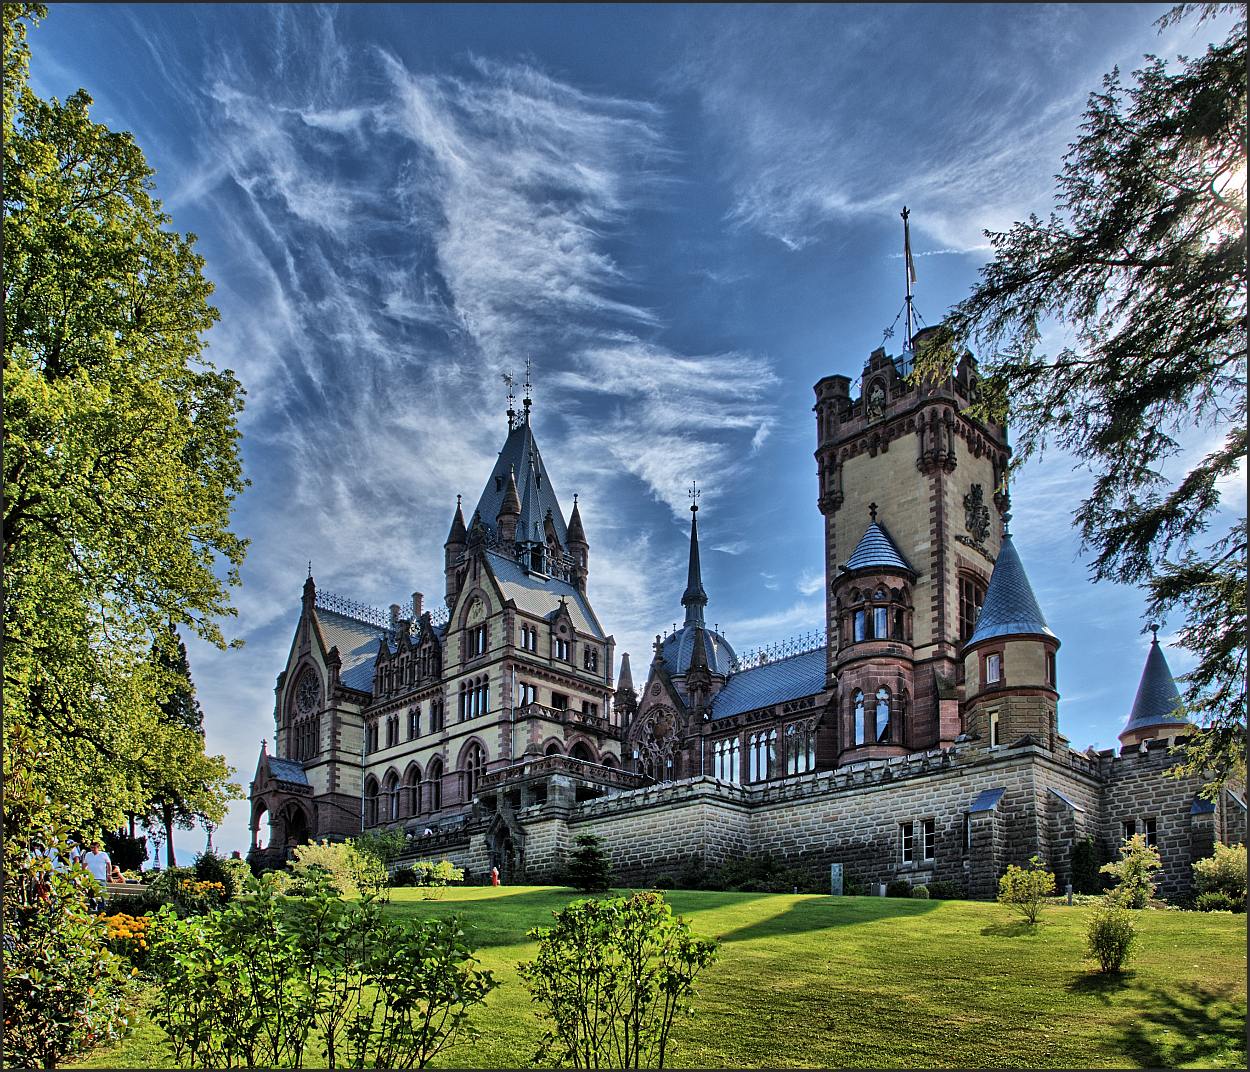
[1145, 264]
[1134, 873]
[589, 868]
[121, 460]
[198, 788]
[1026, 888]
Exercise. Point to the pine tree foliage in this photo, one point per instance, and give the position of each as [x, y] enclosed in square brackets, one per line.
[1144, 267]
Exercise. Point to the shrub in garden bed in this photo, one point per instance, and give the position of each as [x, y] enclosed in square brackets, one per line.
[1026, 888]
[272, 982]
[1110, 936]
[1217, 901]
[1222, 874]
[900, 887]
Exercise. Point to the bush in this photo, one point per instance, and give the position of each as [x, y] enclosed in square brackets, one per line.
[589, 868]
[1109, 937]
[240, 873]
[1217, 901]
[209, 867]
[433, 878]
[186, 894]
[899, 887]
[1085, 867]
[945, 891]
[266, 980]
[1026, 888]
[383, 845]
[336, 860]
[1134, 873]
[1224, 872]
[921, 893]
[610, 978]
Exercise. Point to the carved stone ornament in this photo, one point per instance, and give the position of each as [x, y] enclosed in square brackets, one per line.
[477, 612]
[977, 514]
[658, 736]
[307, 693]
[876, 401]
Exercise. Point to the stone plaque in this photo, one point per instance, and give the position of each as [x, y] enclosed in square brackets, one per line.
[835, 879]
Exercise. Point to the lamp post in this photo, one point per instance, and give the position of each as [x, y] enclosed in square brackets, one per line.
[210, 826]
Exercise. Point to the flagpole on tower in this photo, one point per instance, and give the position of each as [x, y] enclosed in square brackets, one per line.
[911, 276]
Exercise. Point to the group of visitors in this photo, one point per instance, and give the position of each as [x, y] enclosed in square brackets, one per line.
[95, 860]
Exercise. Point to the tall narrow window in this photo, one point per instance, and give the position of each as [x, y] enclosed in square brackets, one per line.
[735, 761]
[929, 838]
[1050, 668]
[561, 649]
[792, 749]
[859, 625]
[967, 841]
[857, 701]
[993, 668]
[881, 623]
[883, 715]
[971, 596]
[528, 694]
[474, 768]
[898, 625]
[591, 659]
[1151, 831]
[1130, 828]
[414, 723]
[994, 729]
[906, 839]
[435, 774]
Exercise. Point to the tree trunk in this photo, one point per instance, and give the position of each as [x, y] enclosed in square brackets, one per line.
[168, 813]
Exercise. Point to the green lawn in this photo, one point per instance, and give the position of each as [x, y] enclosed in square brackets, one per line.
[811, 981]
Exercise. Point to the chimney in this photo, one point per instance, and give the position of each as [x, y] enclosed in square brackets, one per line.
[395, 616]
[417, 599]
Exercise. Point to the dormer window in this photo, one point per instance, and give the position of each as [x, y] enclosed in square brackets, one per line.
[561, 648]
[477, 640]
[590, 659]
[529, 638]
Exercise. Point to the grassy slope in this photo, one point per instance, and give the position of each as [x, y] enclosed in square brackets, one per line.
[809, 981]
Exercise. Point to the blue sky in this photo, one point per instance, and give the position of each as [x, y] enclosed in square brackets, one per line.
[684, 215]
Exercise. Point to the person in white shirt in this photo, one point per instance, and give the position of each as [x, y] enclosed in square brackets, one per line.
[97, 861]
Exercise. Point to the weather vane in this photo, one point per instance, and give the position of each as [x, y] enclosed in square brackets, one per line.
[694, 494]
[528, 400]
[510, 380]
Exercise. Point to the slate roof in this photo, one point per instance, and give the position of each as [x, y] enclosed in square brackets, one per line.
[1202, 807]
[287, 770]
[877, 550]
[520, 454]
[357, 642]
[773, 683]
[987, 800]
[540, 595]
[1157, 696]
[1010, 606]
[678, 649]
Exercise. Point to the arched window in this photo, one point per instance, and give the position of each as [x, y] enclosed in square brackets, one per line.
[371, 801]
[881, 622]
[884, 729]
[857, 703]
[434, 775]
[474, 768]
[770, 755]
[390, 790]
[463, 709]
[608, 760]
[580, 751]
[412, 790]
[554, 749]
[971, 596]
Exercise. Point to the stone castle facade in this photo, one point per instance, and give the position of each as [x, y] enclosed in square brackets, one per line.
[915, 737]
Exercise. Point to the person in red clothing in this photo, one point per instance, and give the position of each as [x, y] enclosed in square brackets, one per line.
[494, 876]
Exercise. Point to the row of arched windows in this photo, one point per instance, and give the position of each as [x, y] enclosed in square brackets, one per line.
[761, 755]
[405, 668]
[396, 800]
[474, 697]
[800, 748]
[727, 765]
[763, 761]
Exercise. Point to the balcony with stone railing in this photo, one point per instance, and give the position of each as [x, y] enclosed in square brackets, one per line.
[533, 768]
[569, 717]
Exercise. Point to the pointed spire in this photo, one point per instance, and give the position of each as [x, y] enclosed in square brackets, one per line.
[511, 505]
[1010, 606]
[625, 679]
[694, 599]
[457, 534]
[576, 533]
[1158, 700]
[698, 656]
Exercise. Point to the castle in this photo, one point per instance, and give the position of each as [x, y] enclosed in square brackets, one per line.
[916, 737]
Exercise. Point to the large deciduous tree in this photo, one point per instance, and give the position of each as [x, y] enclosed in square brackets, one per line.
[1144, 268]
[121, 459]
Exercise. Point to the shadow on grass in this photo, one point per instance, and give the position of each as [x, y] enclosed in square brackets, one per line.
[1102, 985]
[1019, 928]
[825, 913]
[1196, 1026]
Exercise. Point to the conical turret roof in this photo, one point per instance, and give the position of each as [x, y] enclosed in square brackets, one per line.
[625, 679]
[577, 534]
[877, 550]
[520, 458]
[511, 505]
[1010, 607]
[1158, 698]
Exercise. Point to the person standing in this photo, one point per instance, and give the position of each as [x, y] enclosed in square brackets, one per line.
[98, 862]
[494, 876]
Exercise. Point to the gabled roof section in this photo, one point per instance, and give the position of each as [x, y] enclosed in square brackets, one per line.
[520, 456]
[773, 683]
[987, 799]
[1157, 697]
[877, 550]
[1010, 606]
[287, 770]
[541, 595]
[358, 643]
